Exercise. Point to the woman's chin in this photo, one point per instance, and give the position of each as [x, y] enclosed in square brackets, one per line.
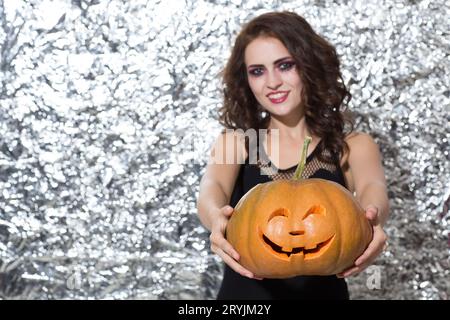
[281, 112]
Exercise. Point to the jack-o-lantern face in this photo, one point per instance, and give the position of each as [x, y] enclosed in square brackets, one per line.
[307, 234]
[286, 228]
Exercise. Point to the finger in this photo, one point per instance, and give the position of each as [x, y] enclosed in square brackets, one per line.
[349, 272]
[363, 258]
[374, 248]
[371, 251]
[371, 213]
[368, 257]
[358, 269]
[233, 264]
[340, 274]
[226, 247]
[227, 211]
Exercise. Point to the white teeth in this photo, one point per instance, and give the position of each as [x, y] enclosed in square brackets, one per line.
[277, 95]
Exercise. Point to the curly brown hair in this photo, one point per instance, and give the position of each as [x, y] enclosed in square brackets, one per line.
[324, 94]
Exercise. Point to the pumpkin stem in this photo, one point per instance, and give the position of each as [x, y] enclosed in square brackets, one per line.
[301, 165]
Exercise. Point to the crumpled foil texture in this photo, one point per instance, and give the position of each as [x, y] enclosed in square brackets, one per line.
[109, 108]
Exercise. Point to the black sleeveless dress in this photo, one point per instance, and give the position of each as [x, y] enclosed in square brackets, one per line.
[235, 286]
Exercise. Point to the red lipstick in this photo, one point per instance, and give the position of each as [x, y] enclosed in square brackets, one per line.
[278, 96]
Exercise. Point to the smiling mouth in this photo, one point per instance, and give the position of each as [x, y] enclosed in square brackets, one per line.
[278, 97]
[306, 253]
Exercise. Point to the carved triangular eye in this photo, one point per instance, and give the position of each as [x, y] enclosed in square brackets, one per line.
[315, 209]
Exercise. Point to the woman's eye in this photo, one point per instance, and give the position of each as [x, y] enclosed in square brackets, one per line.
[256, 72]
[286, 66]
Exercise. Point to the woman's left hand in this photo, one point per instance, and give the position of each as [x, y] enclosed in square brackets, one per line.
[375, 247]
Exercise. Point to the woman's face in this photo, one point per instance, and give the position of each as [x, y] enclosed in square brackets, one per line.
[272, 76]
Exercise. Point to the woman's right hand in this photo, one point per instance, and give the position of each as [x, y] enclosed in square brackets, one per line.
[220, 245]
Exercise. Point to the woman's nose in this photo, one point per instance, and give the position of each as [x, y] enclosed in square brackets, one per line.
[273, 81]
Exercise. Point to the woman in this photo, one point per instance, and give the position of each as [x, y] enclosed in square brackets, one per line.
[284, 77]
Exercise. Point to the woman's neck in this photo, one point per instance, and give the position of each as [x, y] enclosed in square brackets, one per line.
[294, 128]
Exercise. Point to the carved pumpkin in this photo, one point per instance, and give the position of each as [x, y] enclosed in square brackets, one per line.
[286, 228]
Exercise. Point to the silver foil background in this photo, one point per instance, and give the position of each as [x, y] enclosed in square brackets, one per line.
[108, 109]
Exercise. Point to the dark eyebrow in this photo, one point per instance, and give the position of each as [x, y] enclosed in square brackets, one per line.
[275, 62]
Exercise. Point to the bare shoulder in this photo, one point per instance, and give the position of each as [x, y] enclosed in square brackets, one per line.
[227, 155]
[362, 161]
[359, 138]
[362, 147]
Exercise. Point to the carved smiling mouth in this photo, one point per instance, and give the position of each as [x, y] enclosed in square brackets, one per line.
[309, 253]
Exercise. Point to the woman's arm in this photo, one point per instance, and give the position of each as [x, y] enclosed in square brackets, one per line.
[368, 174]
[218, 181]
[216, 187]
[364, 160]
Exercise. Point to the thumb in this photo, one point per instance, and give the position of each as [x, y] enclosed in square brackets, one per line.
[227, 210]
[372, 213]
